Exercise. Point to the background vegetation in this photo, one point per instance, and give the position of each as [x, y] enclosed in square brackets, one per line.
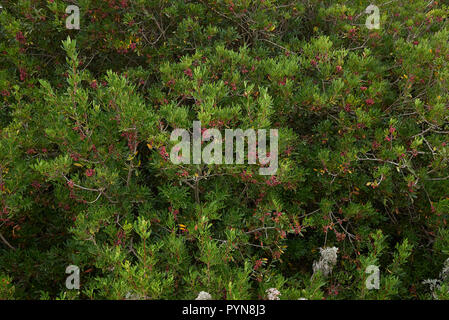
[85, 121]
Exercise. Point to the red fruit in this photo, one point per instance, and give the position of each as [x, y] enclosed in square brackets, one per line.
[23, 74]
[163, 153]
[94, 84]
[20, 37]
[188, 72]
[369, 102]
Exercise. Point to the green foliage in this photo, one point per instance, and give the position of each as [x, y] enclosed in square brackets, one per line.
[85, 123]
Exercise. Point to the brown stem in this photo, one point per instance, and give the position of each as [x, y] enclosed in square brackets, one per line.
[6, 242]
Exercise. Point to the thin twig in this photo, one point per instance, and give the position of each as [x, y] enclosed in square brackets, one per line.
[6, 242]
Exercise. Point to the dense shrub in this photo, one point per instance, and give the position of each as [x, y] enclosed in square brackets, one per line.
[85, 123]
